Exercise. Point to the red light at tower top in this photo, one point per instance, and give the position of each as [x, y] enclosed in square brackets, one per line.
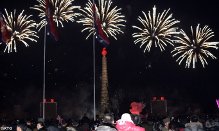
[104, 52]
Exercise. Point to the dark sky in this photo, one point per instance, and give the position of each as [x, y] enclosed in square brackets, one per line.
[69, 66]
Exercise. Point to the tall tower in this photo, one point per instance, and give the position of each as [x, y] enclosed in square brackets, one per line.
[104, 98]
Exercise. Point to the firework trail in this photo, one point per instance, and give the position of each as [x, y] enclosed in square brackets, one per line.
[158, 29]
[17, 28]
[195, 46]
[63, 10]
[111, 19]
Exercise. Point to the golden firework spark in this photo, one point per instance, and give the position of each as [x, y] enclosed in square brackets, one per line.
[111, 18]
[158, 29]
[63, 11]
[195, 47]
[21, 28]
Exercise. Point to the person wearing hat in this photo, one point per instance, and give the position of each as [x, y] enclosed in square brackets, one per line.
[21, 127]
[41, 126]
[194, 124]
[126, 124]
[166, 122]
[107, 124]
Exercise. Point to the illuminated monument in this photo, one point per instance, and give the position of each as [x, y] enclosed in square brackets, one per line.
[104, 98]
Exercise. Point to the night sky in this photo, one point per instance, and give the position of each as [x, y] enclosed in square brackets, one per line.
[137, 75]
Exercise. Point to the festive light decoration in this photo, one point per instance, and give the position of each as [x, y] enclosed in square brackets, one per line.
[112, 21]
[154, 98]
[217, 102]
[20, 28]
[162, 98]
[136, 108]
[63, 11]
[158, 29]
[195, 46]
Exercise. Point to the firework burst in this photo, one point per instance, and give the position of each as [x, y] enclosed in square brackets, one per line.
[195, 47]
[20, 27]
[111, 19]
[158, 29]
[63, 11]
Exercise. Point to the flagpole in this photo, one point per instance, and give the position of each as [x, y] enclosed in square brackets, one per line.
[94, 70]
[44, 73]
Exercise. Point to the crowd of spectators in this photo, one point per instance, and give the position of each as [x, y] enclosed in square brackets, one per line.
[127, 122]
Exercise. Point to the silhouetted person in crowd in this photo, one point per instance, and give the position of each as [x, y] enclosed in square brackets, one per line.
[84, 124]
[41, 126]
[106, 124]
[21, 127]
[126, 124]
[29, 125]
[166, 122]
[194, 124]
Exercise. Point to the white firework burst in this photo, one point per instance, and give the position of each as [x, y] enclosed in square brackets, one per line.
[63, 11]
[21, 29]
[110, 17]
[158, 29]
[195, 46]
